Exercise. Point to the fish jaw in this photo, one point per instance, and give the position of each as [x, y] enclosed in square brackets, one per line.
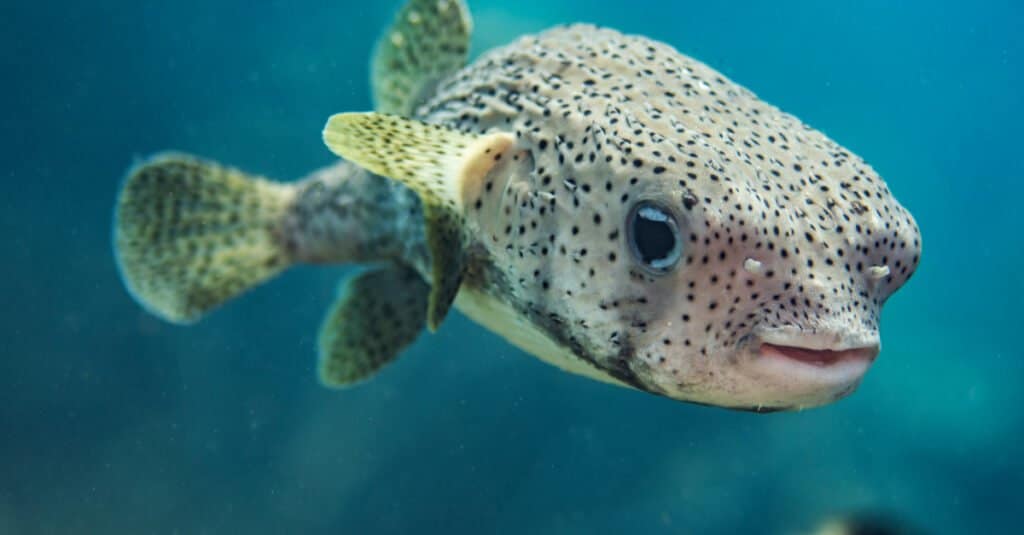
[781, 369]
[807, 370]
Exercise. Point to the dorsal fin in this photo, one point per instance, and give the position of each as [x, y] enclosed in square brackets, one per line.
[443, 166]
[428, 41]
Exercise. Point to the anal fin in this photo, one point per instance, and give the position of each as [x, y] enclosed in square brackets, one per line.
[378, 314]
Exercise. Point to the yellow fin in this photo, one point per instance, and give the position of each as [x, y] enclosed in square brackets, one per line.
[443, 166]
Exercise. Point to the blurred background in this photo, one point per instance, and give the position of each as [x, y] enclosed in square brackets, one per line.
[114, 422]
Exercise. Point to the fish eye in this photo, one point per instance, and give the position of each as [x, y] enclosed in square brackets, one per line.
[653, 236]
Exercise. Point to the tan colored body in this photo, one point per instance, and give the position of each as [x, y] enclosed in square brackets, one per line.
[605, 203]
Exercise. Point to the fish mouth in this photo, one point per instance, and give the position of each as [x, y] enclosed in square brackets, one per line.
[819, 357]
[789, 370]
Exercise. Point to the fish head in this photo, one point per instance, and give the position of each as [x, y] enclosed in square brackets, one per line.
[710, 280]
[750, 289]
[677, 234]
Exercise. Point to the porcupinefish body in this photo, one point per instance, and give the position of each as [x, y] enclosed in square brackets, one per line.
[602, 201]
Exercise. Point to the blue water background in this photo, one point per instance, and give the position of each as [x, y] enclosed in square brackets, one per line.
[114, 422]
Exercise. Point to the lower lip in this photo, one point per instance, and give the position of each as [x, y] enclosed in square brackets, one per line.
[819, 357]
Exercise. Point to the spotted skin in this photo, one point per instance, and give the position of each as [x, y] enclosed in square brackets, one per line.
[785, 232]
[513, 187]
[441, 165]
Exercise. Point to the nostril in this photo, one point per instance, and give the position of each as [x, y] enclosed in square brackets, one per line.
[877, 276]
[878, 273]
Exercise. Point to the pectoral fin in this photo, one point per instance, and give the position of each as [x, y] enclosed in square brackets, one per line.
[443, 166]
[428, 41]
[377, 315]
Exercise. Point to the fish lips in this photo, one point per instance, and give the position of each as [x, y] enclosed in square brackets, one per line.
[796, 371]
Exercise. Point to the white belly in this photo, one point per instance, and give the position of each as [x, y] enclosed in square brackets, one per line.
[504, 320]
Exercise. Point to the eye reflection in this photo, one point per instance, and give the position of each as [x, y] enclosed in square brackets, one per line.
[654, 237]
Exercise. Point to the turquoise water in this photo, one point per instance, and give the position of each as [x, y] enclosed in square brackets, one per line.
[114, 422]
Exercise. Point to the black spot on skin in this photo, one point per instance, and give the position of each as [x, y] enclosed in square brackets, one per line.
[739, 181]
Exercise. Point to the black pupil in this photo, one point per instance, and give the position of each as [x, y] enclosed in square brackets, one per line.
[654, 239]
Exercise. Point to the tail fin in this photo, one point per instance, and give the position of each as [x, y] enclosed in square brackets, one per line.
[191, 234]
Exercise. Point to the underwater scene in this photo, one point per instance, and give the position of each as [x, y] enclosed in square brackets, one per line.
[215, 325]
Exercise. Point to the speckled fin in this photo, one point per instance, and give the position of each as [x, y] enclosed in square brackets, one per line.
[377, 315]
[444, 166]
[190, 234]
[428, 41]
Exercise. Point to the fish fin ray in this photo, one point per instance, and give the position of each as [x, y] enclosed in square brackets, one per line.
[428, 40]
[190, 234]
[377, 315]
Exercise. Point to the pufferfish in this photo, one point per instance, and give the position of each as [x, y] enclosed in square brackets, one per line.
[600, 200]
